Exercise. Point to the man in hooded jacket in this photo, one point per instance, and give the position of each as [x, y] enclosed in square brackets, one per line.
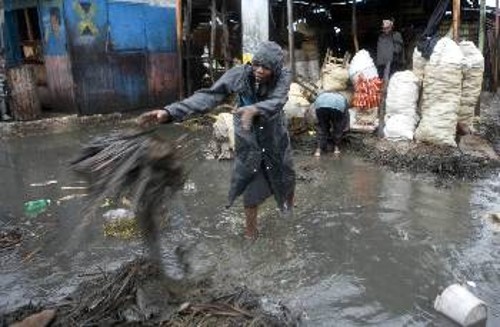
[263, 158]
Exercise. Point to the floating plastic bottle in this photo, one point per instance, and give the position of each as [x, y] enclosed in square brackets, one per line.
[36, 207]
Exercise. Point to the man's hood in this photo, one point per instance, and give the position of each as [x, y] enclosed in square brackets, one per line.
[270, 55]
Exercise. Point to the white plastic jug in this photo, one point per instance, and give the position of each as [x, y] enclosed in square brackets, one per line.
[457, 303]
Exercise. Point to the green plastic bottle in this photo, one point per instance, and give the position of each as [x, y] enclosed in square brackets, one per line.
[36, 207]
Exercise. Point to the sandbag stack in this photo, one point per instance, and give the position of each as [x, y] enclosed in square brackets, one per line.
[473, 69]
[401, 117]
[442, 91]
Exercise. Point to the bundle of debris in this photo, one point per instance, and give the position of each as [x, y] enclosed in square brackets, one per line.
[140, 166]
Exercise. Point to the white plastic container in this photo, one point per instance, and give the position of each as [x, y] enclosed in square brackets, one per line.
[460, 305]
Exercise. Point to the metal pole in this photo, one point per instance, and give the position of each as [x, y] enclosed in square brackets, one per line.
[291, 45]
[456, 20]
[482, 25]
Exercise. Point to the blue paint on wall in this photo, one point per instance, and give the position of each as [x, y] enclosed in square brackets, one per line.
[160, 26]
[139, 26]
[13, 54]
[126, 26]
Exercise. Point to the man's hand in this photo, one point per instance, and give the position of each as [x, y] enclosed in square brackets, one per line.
[247, 114]
[157, 116]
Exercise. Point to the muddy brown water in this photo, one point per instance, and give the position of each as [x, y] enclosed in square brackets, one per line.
[364, 245]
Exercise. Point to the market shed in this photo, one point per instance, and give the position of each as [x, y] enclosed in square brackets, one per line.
[94, 56]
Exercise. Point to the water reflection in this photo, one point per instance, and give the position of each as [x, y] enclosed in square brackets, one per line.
[364, 246]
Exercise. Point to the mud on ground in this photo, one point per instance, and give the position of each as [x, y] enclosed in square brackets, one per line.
[475, 157]
[137, 295]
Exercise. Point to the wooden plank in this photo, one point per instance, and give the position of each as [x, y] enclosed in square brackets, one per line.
[291, 45]
[24, 103]
[456, 20]
[482, 25]
[355, 28]
[179, 24]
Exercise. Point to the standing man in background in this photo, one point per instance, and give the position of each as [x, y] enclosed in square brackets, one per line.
[390, 49]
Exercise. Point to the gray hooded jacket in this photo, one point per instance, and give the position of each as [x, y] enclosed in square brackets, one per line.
[266, 147]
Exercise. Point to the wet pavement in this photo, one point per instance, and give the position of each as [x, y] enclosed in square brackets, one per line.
[364, 245]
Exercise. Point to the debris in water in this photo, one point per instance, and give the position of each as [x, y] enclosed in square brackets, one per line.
[9, 238]
[47, 183]
[120, 223]
[124, 297]
[140, 166]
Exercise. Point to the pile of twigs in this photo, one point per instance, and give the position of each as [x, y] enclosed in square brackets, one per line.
[240, 308]
[104, 300]
[139, 166]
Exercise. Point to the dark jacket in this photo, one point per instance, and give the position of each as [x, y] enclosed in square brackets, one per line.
[266, 145]
[390, 48]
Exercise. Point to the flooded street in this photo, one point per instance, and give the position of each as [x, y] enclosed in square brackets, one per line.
[364, 245]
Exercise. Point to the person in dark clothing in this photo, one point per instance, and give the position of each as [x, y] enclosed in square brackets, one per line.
[390, 49]
[263, 158]
[332, 116]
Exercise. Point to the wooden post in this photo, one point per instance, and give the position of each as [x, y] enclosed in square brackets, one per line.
[355, 27]
[187, 32]
[225, 36]
[456, 20]
[213, 34]
[495, 48]
[24, 103]
[178, 16]
[291, 45]
[28, 25]
[482, 25]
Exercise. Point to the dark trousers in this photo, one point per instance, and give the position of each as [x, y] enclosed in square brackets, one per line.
[381, 69]
[331, 126]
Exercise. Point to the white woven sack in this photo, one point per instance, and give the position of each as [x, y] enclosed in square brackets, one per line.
[402, 94]
[400, 127]
[441, 95]
[362, 64]
[419, 63]
[224, 129]
[334, 77]
[473, 69]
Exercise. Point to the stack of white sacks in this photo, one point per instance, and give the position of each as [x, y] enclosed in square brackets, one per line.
[451, 82]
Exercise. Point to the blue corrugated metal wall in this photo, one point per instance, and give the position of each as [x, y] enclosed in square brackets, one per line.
[115, 46]
[107, 55]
